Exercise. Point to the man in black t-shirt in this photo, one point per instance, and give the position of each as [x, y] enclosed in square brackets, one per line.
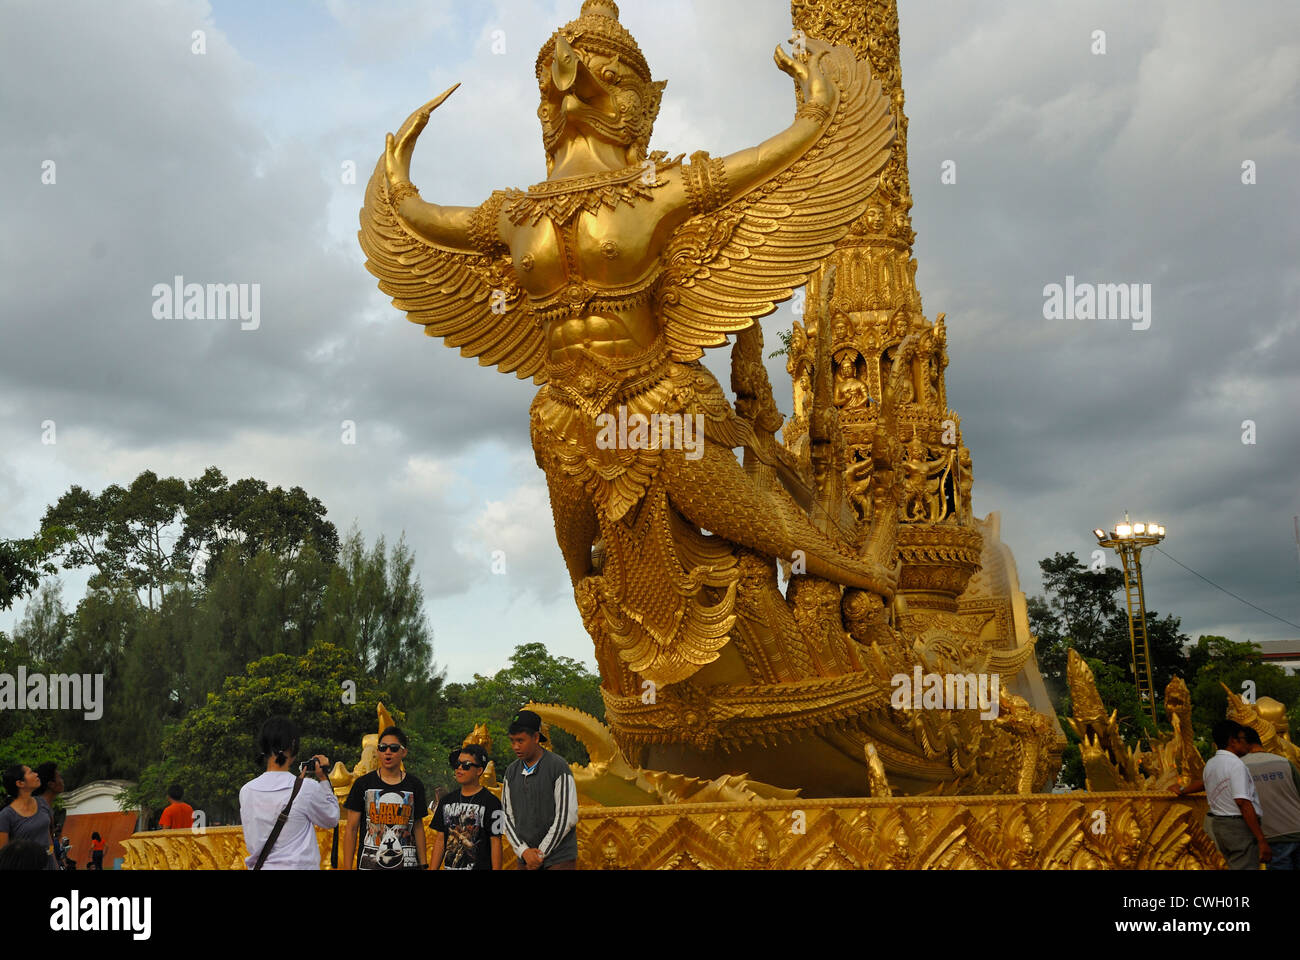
[387, 807]
[469, 821]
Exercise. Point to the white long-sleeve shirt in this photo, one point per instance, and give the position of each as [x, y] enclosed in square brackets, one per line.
[260, 803]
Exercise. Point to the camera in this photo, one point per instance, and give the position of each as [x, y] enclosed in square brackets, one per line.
[307, 766]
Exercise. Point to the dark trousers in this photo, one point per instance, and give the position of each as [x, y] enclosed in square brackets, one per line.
[1235, 841]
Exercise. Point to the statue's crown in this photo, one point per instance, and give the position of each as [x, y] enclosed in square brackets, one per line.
[597, 29]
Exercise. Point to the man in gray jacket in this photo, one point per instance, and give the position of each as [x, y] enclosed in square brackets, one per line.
[540, 800]
[1278, 786]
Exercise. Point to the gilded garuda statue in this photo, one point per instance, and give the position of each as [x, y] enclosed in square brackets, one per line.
[605, 283]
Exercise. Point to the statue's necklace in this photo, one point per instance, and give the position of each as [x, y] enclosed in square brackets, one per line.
[562, 200]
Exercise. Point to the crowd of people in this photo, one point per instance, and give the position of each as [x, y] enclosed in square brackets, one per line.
[385, 809]
[1253, 818]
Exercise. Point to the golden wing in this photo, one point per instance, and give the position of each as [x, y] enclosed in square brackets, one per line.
[724, 270]
[470, 300]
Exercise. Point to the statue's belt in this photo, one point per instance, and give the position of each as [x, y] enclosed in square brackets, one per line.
[577, 298]
[594, 386]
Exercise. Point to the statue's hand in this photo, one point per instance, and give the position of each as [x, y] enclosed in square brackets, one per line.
[807, 71]
[888, 577]
[398, 152]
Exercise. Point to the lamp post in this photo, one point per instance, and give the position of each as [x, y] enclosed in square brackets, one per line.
[1127, 539]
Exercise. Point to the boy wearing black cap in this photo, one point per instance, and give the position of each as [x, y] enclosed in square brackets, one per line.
[468, 821]
[540, 800]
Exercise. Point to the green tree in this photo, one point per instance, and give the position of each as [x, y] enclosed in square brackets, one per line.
[45, 625]
[1217, 660]
[127, 534]
[251, 608]
[35, 743]
[375, 607]
[248, 517]
[30, 736]
[22, 562]
[103, 628]
[1083, 609]
[159, 532]
[212, 751]
[190, 583]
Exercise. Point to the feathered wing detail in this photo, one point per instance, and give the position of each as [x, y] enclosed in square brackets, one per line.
[470, 300]
[725, 269]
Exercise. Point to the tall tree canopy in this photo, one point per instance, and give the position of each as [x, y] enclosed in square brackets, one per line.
[1084, 609]
[190, 583]
[159, 533]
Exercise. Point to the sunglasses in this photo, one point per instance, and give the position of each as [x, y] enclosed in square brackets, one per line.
[464, 765]
[385, 747]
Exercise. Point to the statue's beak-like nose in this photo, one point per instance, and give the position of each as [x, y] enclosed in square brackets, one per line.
[564, 68]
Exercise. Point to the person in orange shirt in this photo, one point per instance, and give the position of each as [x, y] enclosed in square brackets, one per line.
[96, 851]
[178, 815]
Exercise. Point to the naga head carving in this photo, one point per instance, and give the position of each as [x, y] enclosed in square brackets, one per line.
[594, 80]
[1177, 698]
[1084, 697]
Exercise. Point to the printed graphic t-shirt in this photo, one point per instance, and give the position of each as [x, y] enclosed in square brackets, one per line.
[469, 824]
[389, 812]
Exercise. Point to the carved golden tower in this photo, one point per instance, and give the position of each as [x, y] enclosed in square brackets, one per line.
[871, 330]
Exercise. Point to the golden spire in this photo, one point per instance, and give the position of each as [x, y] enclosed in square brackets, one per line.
[874, 328]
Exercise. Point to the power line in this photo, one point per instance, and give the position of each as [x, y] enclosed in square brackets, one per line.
[1229, 592]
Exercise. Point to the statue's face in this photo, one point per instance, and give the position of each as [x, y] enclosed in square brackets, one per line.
[595, 95]
[875, 218]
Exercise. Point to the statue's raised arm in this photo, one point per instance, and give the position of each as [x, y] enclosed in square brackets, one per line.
[441, 265]
[766, 217]
[447, 227]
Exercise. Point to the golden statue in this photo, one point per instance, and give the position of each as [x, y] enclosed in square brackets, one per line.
[1174, 759]
[605, 283]
[1108, 762]
[850, 392]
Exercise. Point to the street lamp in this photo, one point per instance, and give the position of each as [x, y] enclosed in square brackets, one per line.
[1127, 539]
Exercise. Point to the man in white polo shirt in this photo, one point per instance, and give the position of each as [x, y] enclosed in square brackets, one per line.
[1234, 818]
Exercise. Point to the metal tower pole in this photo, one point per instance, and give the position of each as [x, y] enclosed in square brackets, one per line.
[1135, 599]
[1127, 539]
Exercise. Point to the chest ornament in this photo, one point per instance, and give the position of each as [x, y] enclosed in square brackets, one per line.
[562, 200]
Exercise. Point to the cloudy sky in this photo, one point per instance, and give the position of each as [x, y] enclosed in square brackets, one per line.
[232, 166]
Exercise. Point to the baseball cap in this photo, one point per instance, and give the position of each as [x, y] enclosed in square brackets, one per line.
[525, 721]
[474, 750]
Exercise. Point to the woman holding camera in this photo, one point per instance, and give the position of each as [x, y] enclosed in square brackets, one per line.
[303, 802]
